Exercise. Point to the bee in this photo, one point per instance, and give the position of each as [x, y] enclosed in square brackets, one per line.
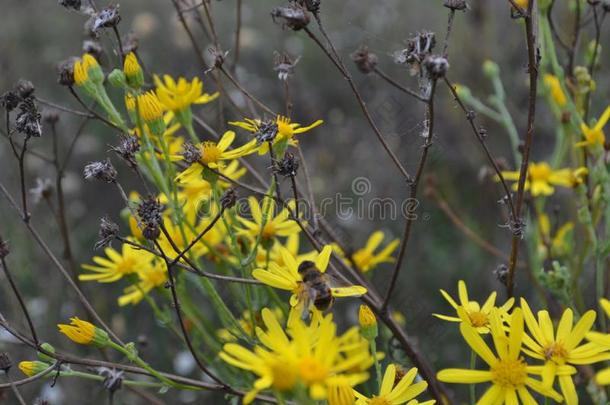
[315, 290]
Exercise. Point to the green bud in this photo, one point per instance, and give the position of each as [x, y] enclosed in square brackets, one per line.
[45, 357]
[117, 79]
[491, 69]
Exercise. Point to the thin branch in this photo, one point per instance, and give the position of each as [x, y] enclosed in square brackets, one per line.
[399, 86]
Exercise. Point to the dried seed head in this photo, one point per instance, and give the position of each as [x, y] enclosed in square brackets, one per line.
[113, 379]
[108, 231]
[106, 18]
[228, 199]
[456, 4]
[365, 61]
[501, 273]
[127, 150]
[150, 213]
[191, 153]
[65, 72]
[5, 362]
[313, 6]
[130, 43]
[4, 249]
[24, 88]
[287, 166]
[293, 16]
[9, 100]
[42, 191]
[418, 48]
[267, 131]
[284, 65]
[71, 4]
[436, 66]
[93, 48]
[28, 119]
[102, 170]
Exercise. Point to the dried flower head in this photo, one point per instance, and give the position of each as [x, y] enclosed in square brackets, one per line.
[293, 16]
[365, 61]
[287, 166]
[28, 119]
[150, 213]
[284, 65]
[106, 18]
[93, 47]
[313, 6]
[42, 191]
[113, 379]
[266, 131]
[191, 153]
[108, 231]
[24, 88]
[9, 100]
[102, 170]
[418, 49]
[5, 362]
[127, 150]
[71, 4]
[501, 273]
[436, 66]
[459, 5]
[65, 72]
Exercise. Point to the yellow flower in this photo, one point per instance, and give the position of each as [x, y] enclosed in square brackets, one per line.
[247, 325]
[392, 393]
[267, 225]
[286, 130]
[554, 85]
[149, 278]
[473, 313]
[508, 373]
[366, 317]
[557, 242]
[366, 259]
[561, 348]
[603, 341]
[84, 333]
[116, 265]
[177, 96]
[288, 278]
[274, 253]
[310, 355]
[149, 107]
[213, 154]
[31, 368]
[541, 178]
[340, 392]
[83, 69]
[133, 71]
[522, 3]
[595, 135]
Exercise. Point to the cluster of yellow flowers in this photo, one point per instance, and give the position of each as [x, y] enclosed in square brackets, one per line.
[530, 353]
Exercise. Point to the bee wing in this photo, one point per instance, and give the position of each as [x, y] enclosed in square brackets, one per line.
[305, 300]
[340, 289]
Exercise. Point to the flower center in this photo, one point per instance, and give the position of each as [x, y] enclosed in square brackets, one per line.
[312, 371]
[509, 373]
[478, 319]
[284, 128]
[125, 266]
[540, 172]
[268, 231]
[555, 351]
[362, 259]
[379, 401]
[210, 153]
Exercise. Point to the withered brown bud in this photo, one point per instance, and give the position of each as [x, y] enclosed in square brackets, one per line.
[28, 119]
[190, 153]
[293, 16]
[106, 18]
[228, 199]
[365, 61]
[71, 4]
[150, 213]
[108, 231]
[65, 72]
[267, 131]
[4, 249]
[5, 362]
[94, 48]
[113, 379]
[287, 166]
[418, 49]
[102, 170]
[284, 65]
[24, 88]
[9, 100]
[458, 5]
[127, 150]
[436, 66]
[501, 273]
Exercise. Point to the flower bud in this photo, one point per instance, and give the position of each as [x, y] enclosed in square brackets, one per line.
[117, 79]
[45, 357]
[491, 69]
[31, 368]
[368, 322]
[133, 71]
[84, 333]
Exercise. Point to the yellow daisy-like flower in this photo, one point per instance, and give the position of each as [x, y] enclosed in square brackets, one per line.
[150, 277]
[392, 393]
[506, 370]
[267, 225]
[117, 265]
[603, 341]
[84, 333]
[274, 253]
[562, 347]
[286, 129]
[474, 314]
[310, 355]
[288, 278]
[541, 178]
[556, 92]
[31, 368]
[366, 259]
[558, 242]
[213, 154]
[177, 96]
[595, 135]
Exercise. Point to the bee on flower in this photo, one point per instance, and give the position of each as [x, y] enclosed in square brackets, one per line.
[541, 178]
[471, 312]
